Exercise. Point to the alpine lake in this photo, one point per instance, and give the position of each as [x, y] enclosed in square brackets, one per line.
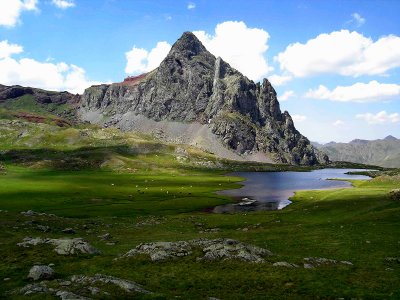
[272, 190]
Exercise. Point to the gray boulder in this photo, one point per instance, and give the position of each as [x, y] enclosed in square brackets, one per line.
[73, 246]
[41, 272]
[162, 250]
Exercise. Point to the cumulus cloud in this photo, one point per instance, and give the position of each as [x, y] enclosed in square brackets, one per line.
[357, 19]
[341, 52]
[10, 10]
[140, 60]
[358, 92]
[63, 4]
[7, 49]
[191, 5]
[278, 80]
[242, 47]
[299, 118]
[46, 75]
[338, 123]
[286, 95]
[379, 118]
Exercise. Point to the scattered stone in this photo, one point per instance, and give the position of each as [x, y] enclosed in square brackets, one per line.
[68, 231]
[231, 249]
[105, 237]
[393, 260]
[34, 288]
[217, 249]
[210, 230]
[308, 266]
[312, 262]
[126, 285]
[41, 272]
[73, 246]
[389, 269]
[394, 194]
[77, 283]
[93, 290]
[31, 213]
[150, 221]
[28, 241]
[285, 264]
[43, 228]
[63, 246]
[161, 250]
[64, 295]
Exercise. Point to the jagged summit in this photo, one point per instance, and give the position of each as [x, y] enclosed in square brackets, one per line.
[198, 99]
[188, 44]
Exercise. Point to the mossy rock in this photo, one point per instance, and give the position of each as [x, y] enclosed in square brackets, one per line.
[394, 194]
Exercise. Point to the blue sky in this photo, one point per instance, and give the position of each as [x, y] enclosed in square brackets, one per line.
[335, 64]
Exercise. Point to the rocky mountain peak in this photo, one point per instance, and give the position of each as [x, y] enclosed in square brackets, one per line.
[214, 106]
[188, 45]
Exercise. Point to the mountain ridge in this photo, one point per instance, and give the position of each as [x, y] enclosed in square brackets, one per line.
[381, 152]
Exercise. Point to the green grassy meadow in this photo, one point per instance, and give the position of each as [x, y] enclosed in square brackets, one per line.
[99, 181]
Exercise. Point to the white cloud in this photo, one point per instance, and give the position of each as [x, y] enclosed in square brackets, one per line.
[63, 4]
[338, 123]
[357, 19]
[278, 80]
[299, 118]
[191, 5]
[286, 95]
[242, 47]
[379, 118]
[7, 49]
[358, 92]
[10, 10]
[341, 52]
[140, 60]
[46, 75]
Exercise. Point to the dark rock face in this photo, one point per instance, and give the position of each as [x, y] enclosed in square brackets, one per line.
[191, 85]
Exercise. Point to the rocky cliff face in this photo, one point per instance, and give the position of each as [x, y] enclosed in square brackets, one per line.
[193, 88]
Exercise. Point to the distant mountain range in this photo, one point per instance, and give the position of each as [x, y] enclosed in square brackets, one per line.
[383, 152]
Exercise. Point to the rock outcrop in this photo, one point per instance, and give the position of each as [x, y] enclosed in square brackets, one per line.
[62, 246]
[217, 249]
[196, 98]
